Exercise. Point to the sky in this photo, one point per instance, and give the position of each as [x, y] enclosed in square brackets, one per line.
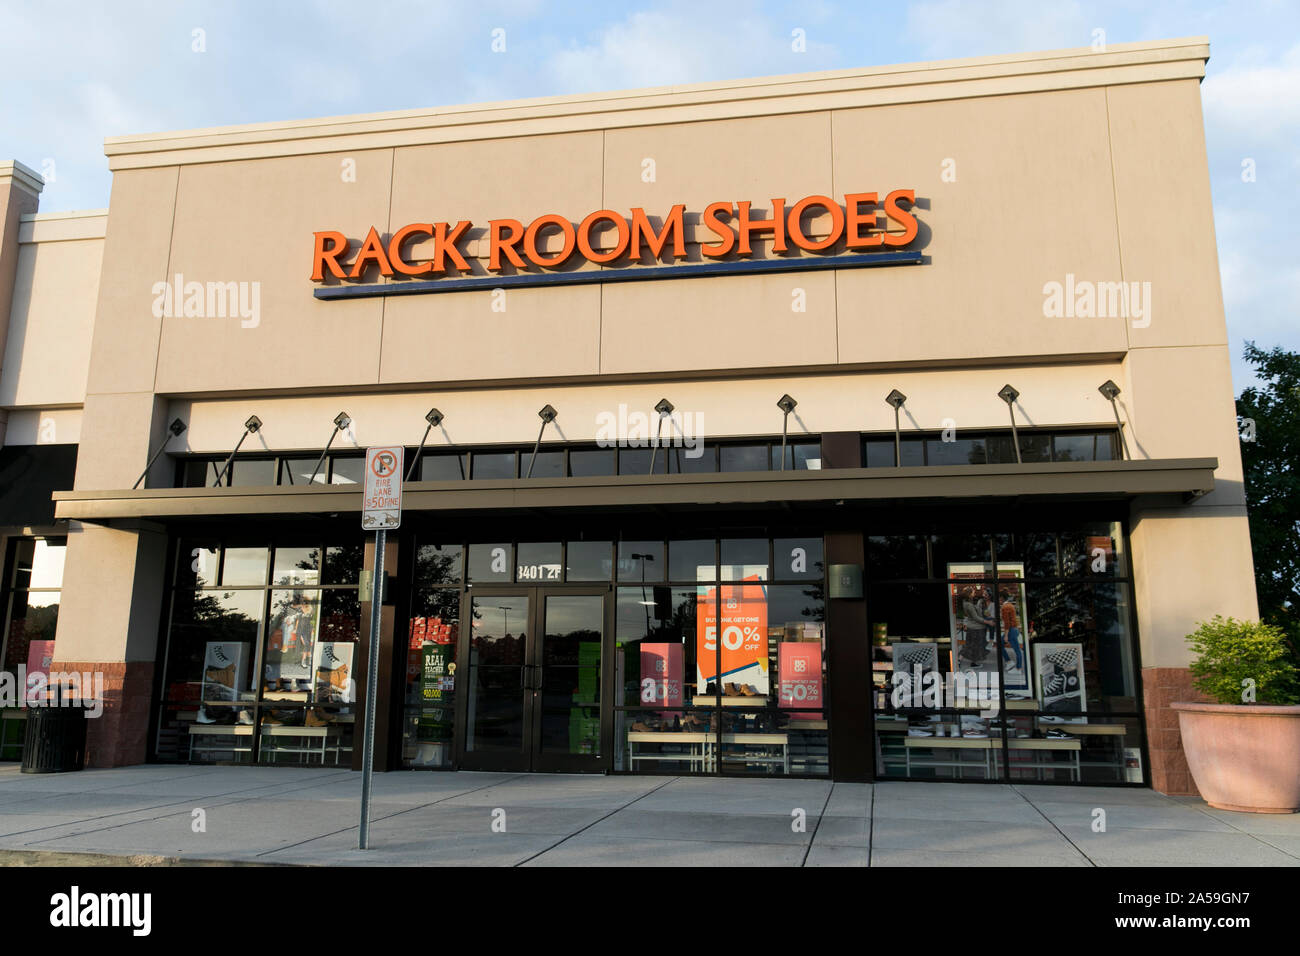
[82, 72]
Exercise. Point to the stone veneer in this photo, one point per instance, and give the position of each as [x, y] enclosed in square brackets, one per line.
[119, 736]
[1162, 686]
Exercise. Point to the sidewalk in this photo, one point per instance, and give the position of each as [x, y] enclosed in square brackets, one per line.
[270, 815]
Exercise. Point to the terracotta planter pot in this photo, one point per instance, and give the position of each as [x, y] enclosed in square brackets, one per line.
[1244, 757]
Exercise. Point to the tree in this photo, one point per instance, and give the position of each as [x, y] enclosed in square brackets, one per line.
[1268, 418]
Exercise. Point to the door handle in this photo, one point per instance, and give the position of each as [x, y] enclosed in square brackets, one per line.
[541, 677]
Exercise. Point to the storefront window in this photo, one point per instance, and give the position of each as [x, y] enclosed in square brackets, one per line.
[692, 560]
[296, 567]
[744, 458]
[593, 462]
[493, 465]
[348, 471]
[429, 703]
[637, 461]
[546, 464]
[798, 559]
[744, 559]
[589, 560]
[1006, 671]
[799, 456]
[727, 677]
[261, 673]
[33, 594]
[444, 466]
[252, 472]
[491, 562]
[437, 564]
[539, 562]
[243, 566]
[299, 471]
[640, 560]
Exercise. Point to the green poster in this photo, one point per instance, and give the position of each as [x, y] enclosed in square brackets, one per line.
[436, 692]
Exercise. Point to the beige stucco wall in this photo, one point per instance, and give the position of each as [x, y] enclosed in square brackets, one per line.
[52, 317]
[1027, 169]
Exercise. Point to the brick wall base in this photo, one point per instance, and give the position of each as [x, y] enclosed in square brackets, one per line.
[1162, 686]
[119, 736]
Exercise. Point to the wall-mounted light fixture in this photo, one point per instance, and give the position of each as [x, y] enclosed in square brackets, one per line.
[896, 399]
[1110, 391]
[175, 428]
[1009, 395]
[434, 418]
[787, 405]
[547, 414]
[341, 421]
[252, 426]
[664, 408]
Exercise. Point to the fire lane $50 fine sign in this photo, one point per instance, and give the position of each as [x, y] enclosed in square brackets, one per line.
[381, 505]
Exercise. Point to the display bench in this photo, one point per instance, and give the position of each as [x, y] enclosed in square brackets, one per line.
[13, 726]
[698, 752]
[702, 748]
[277, 740]
[989, 750]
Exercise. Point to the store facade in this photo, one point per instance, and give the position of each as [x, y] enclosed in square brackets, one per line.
[886, 429]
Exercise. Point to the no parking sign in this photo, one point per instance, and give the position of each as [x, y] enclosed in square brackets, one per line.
[381, 507]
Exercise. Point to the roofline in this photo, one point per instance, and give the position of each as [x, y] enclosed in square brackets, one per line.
[1078, 68]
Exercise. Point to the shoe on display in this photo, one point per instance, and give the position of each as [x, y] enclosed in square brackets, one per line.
[1058, 735]
[974, 735]
[245, 717]
[270, 720]
[203, 718]
[918, 732]
[313, 718]
[1049, 719]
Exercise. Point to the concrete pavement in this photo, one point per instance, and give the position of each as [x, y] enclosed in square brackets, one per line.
[269, 815]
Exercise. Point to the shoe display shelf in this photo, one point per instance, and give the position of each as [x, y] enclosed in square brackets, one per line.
[231, 739]
[284, 740]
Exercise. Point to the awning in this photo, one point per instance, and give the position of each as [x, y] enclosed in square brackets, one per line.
[1181, 477]
[29, 474]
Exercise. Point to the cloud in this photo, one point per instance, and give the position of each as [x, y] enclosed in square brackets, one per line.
[1258, 102]
[953, 28]
[683, 43]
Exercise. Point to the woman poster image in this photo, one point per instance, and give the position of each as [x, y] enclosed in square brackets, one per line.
[985, 626]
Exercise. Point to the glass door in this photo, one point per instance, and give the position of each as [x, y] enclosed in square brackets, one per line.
[567, 678]
[494, 655]
[534, 700]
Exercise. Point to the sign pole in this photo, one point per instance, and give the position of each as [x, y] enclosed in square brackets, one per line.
[381, 510]
[372, 686]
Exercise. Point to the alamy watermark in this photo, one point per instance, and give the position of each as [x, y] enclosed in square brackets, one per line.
[208, 300]
[636, 429]
[1085, 299]
[83, 689]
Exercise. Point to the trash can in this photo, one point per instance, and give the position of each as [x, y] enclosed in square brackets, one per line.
[55, 740]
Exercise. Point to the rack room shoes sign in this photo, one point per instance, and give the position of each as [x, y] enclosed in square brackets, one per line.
[553, 250]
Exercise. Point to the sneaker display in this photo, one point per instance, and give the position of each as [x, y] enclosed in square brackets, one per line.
[918, 732]
[245, 717]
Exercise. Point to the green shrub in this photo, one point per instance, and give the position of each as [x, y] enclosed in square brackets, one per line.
[1230, 652]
